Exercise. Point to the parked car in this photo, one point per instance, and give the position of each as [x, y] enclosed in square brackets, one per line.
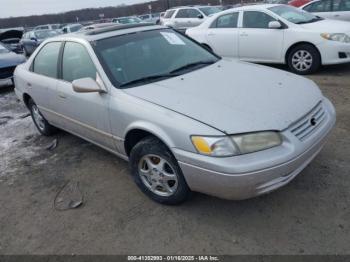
[47, 27]
[276, 34]
[11, 39]
[71, 28]
[8, 62]
[298, 3]
[96, 26]
[190, 122]
[127, 20]
[335, 9]
[31, 40]
[153, 18]
[188, 16]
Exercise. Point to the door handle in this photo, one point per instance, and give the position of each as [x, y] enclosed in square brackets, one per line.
[61, 95]
[243, 34]
[211, 34]
[336, 15]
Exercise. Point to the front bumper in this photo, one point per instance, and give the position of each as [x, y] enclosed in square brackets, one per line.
[7, 72]
[333, 52]
[251, 175]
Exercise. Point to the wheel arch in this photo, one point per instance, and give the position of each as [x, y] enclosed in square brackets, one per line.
[300, 43]
[136, 132]
[26, 99]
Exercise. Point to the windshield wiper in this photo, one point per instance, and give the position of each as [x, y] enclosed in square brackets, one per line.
[148, 79]
[191, 65]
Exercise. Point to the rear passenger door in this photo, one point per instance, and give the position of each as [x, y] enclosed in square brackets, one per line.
[42, 80]
[84, 114]
[222, 35]
[258, 42]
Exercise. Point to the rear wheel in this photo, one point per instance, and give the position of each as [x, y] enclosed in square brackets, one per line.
[40, 122]
[304, 59]
[157, 173]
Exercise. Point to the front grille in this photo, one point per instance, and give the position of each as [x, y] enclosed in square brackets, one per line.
[303, 128]
[7, 72]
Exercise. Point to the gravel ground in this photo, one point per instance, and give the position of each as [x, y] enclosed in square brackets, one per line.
[309, 216]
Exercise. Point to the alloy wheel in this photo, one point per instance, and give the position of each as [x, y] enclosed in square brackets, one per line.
[38, 118]
[158, 175]
[302, 60]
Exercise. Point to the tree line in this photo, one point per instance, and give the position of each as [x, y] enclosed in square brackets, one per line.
[93, 14]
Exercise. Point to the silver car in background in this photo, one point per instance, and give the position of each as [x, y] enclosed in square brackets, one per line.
[185, 119]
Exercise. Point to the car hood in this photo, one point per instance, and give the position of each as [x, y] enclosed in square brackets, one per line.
[11, 59]
[235, 97]
[328, 26]
[11, 34]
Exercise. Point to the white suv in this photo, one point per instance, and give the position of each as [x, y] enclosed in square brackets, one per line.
[188, 16]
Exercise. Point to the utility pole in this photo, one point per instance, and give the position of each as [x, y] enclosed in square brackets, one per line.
[167, 4]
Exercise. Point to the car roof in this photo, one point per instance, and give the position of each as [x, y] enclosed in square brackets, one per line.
[249, 7]
[256, 7]
[107, 32]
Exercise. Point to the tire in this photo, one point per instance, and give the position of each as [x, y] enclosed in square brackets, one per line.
[40, 122]
[304, 59]
[157, 173]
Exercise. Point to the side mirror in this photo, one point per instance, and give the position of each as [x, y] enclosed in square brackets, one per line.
[33, 39]
[275, 25]
[87, 85]
[200, 16]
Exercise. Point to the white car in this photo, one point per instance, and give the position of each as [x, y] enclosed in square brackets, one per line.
[276, 34]
[188, 16]
[337, 9]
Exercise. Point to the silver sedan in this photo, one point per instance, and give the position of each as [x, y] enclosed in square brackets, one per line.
[185, 119]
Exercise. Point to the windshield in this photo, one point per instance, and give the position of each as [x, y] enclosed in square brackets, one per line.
[150, 54]
[45, 34]
[294, 15]
[129, 20]
[3, 50]
[210, 10]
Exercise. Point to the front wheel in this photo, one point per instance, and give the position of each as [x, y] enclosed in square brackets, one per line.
[40, 122]
[304, 59]
[157, 173]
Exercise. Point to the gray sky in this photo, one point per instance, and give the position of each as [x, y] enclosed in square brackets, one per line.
[37, 7]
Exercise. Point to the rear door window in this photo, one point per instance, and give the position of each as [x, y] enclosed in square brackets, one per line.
[169, 13]
[46, 61]
[226, 21]
[182, 13]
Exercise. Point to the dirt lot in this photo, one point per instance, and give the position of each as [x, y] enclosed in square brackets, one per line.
[309, 216]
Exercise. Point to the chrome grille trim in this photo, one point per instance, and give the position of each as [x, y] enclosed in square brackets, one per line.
[303, 127]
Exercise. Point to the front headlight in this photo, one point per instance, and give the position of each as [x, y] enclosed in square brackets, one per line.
[237, 144]
[252, 142]
[339, 37]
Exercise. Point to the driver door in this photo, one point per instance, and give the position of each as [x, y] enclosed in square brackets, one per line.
[84, 114]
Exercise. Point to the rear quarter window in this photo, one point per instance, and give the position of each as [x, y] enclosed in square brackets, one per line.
[46, 61]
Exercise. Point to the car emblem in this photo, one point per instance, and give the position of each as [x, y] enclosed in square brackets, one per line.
[313, 121]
